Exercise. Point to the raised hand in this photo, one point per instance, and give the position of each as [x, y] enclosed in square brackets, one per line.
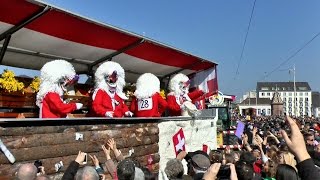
[94, 160]
[80, 158]
[112, 144]
[296, 142]
[106, 151]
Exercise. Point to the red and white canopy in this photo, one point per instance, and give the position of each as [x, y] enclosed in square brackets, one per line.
[85, 43]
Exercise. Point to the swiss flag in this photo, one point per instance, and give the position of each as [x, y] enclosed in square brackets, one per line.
[179, 141]
[206, 81]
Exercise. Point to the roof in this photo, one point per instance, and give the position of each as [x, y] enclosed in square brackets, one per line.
[282, 86]
[276, 99]
[41, 32]
[253, 101]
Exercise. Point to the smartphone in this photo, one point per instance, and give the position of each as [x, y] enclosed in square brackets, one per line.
[85, 158]
[224, 172]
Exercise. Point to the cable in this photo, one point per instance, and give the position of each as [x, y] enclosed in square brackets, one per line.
[245, 39]
[293, 55]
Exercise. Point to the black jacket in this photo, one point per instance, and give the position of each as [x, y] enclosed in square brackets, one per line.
[307, 170]
[71, 171]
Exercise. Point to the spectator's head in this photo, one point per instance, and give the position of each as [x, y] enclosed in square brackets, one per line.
[126, 170]
[228, 158]
[236, 156]
[148, 175]
[87, 173]
[244, 170]
[247, 157]
[174, 169]
[215, 156]
[270, 168]
[27, 172]
[309, 138]
[200, 163]
[287, 158]
[286, 172]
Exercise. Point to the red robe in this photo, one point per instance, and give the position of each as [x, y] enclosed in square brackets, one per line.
[174, 107]
[54, 107]
[103, 103]
[149, 107]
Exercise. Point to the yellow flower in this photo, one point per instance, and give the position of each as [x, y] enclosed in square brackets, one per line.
[163, 94]
[35, 84]
[9, 83]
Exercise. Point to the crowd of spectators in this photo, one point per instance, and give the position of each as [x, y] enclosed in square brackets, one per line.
[272, 148]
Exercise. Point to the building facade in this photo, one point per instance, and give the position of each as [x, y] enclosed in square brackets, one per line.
[255, 107]
[296, 104]
[316, 104]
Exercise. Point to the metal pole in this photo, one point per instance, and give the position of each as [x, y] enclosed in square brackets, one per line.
[4, 47]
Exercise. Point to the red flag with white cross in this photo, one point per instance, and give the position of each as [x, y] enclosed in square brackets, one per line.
[179, 142]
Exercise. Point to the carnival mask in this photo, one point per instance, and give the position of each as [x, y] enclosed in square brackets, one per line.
[184, 86]
[65, 82]
[112, 79]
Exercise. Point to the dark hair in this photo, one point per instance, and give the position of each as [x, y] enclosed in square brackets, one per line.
[148, 175]
[286, 172]
[229, 158]
[247, 157]
[126, 170]
[215, 156]
[244, 170]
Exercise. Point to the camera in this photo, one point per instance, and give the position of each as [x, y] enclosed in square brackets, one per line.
[224, 172]
[38, 163]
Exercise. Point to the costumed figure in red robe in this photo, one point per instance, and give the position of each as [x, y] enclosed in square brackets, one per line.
[147, 101]
[55, 77]
[179, 99]
[106, 99]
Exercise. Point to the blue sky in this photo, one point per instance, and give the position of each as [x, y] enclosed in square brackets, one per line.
[215, 30]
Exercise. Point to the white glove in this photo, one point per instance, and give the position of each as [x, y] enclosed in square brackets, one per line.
[79, 105]
[183, 107]
[7, 153]
[128, 114]
[109, 114]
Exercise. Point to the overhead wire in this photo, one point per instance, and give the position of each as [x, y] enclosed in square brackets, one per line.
[245, 39]
[292, 56]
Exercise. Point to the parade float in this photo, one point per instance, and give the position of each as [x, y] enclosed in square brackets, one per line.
[37, 33]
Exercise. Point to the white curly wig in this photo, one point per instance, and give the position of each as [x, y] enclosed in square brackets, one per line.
[147, 85]
[50, 75]
[174, 83]
[106, 69]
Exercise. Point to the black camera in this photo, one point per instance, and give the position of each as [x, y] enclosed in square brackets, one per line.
[38, 163]
[224, 172]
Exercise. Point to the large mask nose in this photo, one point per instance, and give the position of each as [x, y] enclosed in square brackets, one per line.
[113, 77]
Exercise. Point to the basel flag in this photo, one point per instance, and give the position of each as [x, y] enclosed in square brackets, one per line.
[179, 142]
[206, 81]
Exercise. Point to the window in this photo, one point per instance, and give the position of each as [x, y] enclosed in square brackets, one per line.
[301, 99]
[301, 94]
[306, 99]
[268, 94]
[290, 94]
[273, 88]
[264, 88]
[259, 111]
[306, 93]
[284, 99]
[262, 94]
[269, 112]
[302, 88]
[283, 88]
[284, 94]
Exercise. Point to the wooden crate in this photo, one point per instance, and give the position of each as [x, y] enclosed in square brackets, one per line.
[17, 100]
